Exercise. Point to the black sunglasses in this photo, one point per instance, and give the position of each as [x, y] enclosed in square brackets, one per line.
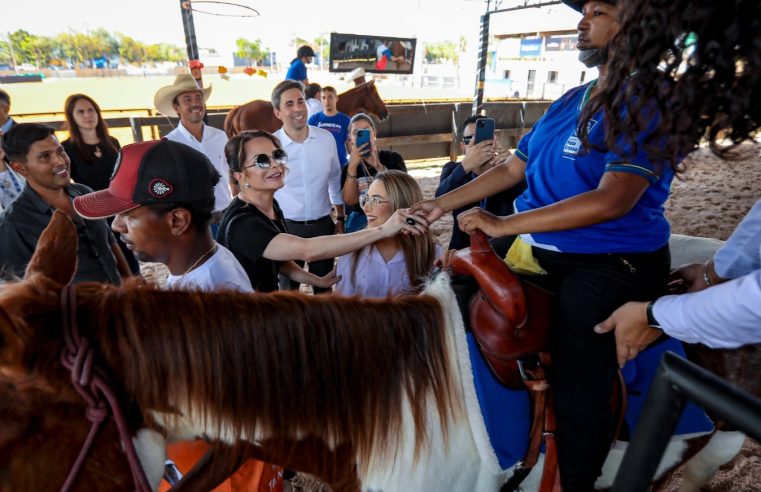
[263, 161]
[466, 139]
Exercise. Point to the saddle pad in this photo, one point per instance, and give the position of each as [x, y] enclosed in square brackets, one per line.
[639, 374]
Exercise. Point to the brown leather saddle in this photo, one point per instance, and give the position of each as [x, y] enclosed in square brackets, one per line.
[510, 318]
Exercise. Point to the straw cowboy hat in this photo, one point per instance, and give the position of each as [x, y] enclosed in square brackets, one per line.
[183, 83]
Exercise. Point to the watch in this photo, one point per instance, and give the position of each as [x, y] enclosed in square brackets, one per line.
[342, 218]
[651, 321]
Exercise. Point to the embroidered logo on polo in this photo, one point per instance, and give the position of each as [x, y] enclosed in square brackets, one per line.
[160, 188]
[573, 144]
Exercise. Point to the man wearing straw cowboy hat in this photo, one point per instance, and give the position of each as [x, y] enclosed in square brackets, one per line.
[185, 99]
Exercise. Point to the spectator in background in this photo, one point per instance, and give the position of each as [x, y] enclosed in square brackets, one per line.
[479, 158]
[11, 182]
[364, 163]
[184, 99]
[313, 93]
[313, 181]
[384, 55]
[6, 122]
[298, 69]
[92, 152]
[358, 76]
[393, 265]
[333, 121]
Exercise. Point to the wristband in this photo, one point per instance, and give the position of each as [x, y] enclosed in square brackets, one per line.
[651, 321]
[341, 218]
[706, 278]
[352, 176]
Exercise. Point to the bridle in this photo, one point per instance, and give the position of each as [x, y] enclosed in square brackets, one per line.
[95, 388]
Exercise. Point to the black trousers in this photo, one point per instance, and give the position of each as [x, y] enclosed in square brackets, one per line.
[589, 288]
[321, 227]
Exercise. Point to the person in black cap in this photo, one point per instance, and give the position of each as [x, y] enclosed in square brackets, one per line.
[298, 69]
[162, 194]
[591, 227]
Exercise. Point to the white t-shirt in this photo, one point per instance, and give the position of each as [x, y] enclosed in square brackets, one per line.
[221, 271]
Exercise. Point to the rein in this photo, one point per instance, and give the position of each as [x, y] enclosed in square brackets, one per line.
[93, 386]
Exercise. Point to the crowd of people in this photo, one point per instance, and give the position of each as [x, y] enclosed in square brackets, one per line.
[579, 204]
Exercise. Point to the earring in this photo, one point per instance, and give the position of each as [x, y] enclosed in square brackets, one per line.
[247, 186]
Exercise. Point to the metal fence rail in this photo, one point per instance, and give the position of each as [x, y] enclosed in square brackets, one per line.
[677, 381]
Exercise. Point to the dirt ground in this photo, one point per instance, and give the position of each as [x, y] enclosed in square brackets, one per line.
[709, 200]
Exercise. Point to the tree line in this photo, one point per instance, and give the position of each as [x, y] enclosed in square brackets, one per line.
[80, 48]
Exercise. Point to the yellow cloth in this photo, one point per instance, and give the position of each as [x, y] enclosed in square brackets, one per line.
[521, 260]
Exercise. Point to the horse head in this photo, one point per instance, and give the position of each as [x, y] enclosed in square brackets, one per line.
[363, 98]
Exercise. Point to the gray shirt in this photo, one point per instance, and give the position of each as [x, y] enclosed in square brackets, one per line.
[22, 223]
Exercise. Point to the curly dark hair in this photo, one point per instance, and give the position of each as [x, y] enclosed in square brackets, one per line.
[698, 62]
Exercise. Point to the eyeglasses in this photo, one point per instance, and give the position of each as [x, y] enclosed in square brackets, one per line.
[466, 139]
[264, 161]
[370, 201]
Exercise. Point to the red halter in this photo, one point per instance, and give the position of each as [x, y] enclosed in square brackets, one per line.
[93, 385]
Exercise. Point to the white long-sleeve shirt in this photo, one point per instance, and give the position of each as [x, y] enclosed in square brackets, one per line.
[313, 180]
[726, 315]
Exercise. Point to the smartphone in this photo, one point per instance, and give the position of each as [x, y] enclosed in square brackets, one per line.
[484, 129]
[363, 137]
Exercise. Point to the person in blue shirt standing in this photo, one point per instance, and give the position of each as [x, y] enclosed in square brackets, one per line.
[298, 68]
[593, 219]
[332, 120]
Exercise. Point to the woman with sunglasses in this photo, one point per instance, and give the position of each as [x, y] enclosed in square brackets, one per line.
[392, 265]
[253, 227]
[365, 162]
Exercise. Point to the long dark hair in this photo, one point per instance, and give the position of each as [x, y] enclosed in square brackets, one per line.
[76, 135]
[699, 63]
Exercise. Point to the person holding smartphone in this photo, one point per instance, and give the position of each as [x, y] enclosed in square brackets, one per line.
[479, 158]
[591, 225]
[365, 161]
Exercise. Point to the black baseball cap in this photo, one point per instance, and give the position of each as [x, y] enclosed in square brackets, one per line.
[578, 4]
[151, 173]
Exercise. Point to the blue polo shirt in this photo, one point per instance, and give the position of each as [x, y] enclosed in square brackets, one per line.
[297, 71]
[338, 126]
[558, 167]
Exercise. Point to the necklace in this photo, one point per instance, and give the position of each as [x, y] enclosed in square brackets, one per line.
[280, 228]
[98, 153]
[199, 261]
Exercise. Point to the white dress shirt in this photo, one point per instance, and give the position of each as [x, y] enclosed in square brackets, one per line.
[727, 315]
[212, 145]
[313, 180]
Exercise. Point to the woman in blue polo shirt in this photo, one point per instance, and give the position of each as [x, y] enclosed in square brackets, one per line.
[594, 221]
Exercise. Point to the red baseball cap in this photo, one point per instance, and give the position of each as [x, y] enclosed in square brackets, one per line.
[149, 173]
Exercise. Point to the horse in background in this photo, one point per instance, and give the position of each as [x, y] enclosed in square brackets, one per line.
[386, 403]
[259, 115]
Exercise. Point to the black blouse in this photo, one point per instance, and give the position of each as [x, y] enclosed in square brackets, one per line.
[96, 174]
[247, 232]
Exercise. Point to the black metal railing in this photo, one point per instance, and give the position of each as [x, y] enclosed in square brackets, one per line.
[677, 381]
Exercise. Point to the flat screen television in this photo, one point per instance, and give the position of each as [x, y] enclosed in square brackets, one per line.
[376, 54]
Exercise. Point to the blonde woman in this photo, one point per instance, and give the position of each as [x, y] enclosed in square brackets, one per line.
[253, 227]
[394, 264]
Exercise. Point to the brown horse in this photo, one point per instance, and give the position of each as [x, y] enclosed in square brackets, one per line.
[258, 114]
[368, 394]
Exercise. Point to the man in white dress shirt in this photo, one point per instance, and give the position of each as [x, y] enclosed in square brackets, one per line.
[184, 99]
[313, 180]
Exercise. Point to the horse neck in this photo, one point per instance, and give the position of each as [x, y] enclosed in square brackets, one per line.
[354, 100]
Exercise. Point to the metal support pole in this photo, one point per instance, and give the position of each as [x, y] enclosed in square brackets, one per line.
[190, 30]
[478, 98]
[677, 381]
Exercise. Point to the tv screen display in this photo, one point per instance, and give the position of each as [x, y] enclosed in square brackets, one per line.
[376, 54]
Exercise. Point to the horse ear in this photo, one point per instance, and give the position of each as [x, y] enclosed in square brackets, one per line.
[56, 253]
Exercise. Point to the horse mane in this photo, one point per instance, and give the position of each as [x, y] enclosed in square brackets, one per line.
[280, 364]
